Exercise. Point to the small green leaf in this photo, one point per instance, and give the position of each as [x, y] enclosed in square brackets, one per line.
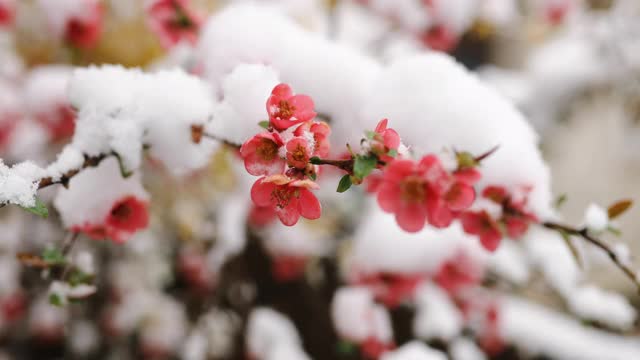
[78, 277]
[315, 160]
[345, 184]
[56, 300]
[392, 152]
[465, 160]
[614, 231]
[345, 347]
[313, 176]
[264, 124]
[364, 165]
[53, 256]
[572, 248]
[370, 134]
[39, 209]
[560, 200]
[123, 169]
[619, 208]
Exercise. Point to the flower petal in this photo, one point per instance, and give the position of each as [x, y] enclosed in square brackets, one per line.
[310, 207]
[411, 217]
[261, 192]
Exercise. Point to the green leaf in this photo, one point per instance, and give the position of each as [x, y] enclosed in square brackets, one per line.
[345, 347]
[572, 248]
[364, 165]
[466, 160]
[123, 169]
[345, 183]
[315, 160]
[78, 277]
[560, 200]
[264, 124]
[614, 231]
[39, 209]
[370, 134]
[55, 299]
[313, 176]
[392, 152]
[53, 256]
[619, 208]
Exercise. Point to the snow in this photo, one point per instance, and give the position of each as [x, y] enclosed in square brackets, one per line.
[466, 349]
[435, 103]
[123, 110]
[423, 252]
[45, 88]
[541, 331]
[437, 317]
[596, 218]
[257, 34]
[357, 317]
[18, 184]
[81, 204]
[612, 309]
[245, 92]
[268, 330]
[414, 350]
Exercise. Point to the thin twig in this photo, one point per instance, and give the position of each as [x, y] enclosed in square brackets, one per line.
[584, 234]
[89, 161]
[66, 250]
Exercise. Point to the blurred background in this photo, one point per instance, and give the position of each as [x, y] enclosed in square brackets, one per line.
[203, 281]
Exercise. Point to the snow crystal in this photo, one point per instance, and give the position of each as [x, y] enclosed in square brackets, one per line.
[414, 350]
[46, 88]
[18, 184]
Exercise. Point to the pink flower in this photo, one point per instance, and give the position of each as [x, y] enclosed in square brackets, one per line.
[289, 197]
[391, 289]
[192, 265]
[84, 32]
[6, 129]
[557, 11]
[440, 38]
[174, 21]
[373, 348]
[298, 153]
[60, 122]
[127, 216]
[484, 227]
[417, 192]
[260, 216]
[288, 267]
[458, 273]
[321, 132]
[7, 12]
[388, 137]
[260, 154]
[514, 215]
[286, 109]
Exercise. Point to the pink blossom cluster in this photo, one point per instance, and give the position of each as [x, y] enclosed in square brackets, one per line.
[174, 21]
[281, 156]
[127, 215]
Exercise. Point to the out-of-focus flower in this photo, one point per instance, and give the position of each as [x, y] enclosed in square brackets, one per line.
[7, 12]
[84, 31]
[174, 21]
[127, 216]
[481, 224]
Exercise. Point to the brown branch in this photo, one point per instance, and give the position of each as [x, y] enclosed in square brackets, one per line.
[345, 164]
[89, 161]
[584, 234]
[197, 133]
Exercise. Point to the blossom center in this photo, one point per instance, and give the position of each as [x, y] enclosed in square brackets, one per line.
[285, 109]
[122, 211]
[267, 150]
[412, 189]
[282, 195]
[299, 154]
